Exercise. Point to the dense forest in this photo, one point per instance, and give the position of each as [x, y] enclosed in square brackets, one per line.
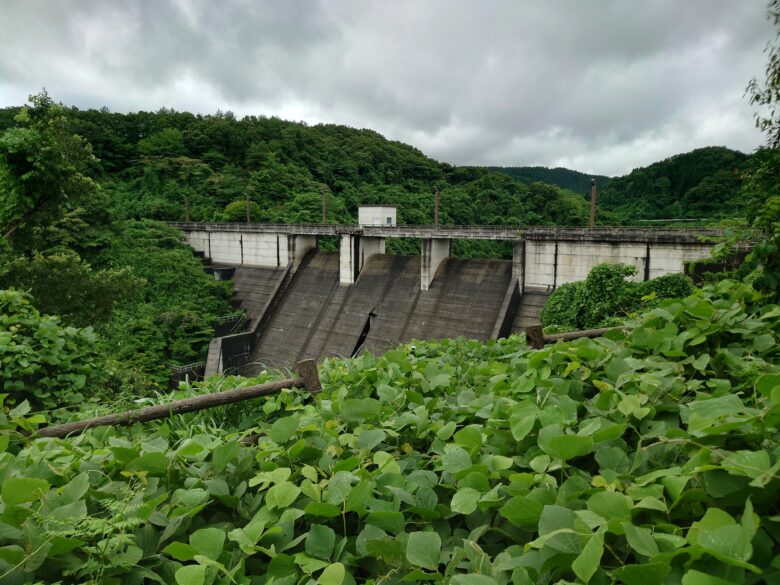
[149, 162]
[702, 184]
[565, 178]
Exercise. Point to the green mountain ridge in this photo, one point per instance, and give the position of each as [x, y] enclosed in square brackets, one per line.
[150, 162]
[572, 180]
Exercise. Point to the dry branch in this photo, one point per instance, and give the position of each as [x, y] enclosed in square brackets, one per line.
[537, 340]
[308, 380]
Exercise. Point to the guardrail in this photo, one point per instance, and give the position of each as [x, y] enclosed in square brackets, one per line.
[497, 232]
[186, 368]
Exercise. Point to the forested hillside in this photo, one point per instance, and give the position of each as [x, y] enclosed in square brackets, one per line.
[149, 162]
[565, 178]
[704, 183]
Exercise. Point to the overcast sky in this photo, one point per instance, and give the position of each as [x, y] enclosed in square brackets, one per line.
[602, 86]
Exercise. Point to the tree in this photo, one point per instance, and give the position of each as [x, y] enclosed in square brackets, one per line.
[236, 211]
[767, 94]
[44, 167]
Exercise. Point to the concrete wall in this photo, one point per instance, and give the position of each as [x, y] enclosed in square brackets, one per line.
[377, 215]
[666, 258]
[252, 248]
[539, 265]
[549, 264]
[576, 259]
[262, 250]
[348, 258]
[433, 252]
[226, 247]
[198, 240]
[369, 247]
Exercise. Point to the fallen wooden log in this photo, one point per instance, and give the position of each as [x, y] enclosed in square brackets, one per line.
[309, 380]
[536, 339]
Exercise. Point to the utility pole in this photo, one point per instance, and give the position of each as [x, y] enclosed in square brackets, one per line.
[187, 208]
[436, 206]
[324, 205]
[592, 203]
[248, 210]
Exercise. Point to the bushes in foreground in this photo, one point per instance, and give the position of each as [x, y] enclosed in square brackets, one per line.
[647, 456]
[605, 297]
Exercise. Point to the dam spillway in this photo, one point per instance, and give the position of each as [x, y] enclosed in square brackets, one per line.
[319, 317]
[312, 304]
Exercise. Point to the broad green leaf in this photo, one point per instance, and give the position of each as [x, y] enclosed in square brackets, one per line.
[423, 549]
[640, 539]
[555, 443]
[283, 429]
[155, 463]
[339, 487]
[718, 534]
[389, 550]
[469, 437]
[465, 501]
[611, 505]
[586, 563]
[224, 455]
[390, 521]
[332, 575]
[19, 490]
[320, 541]
[282, 495]
[455, 459]
[368, 533]
[322, 510]
[208, 542]
[309, 564]
[180, 551]
[370, 438]
[556, 529]
[355, 409]
[191, 575]
[694, 577]
[472, 580]
[644, 574]
[446, 431]
[359, 495]
[522, 511]
[768, 382]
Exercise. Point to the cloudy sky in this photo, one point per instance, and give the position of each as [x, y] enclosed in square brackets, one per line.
[601, 86]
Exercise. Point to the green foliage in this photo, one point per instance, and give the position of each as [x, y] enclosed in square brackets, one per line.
[41, 360]
[767, 94]
[703, 183]
[606, 295]
[647, 455]
[236, 211]
[65, 285]
[668, 286]
[579, 183]
[43, 168]
[172, 320]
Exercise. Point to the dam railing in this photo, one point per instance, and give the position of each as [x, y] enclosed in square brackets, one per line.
[470, 232]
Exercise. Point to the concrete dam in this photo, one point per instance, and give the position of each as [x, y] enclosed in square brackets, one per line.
[301, 302]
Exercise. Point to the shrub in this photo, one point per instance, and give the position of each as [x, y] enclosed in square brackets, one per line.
[236, 211]
[605, 296]
[41, 360]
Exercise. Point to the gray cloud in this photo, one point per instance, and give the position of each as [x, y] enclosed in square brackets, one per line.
[602, 86]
